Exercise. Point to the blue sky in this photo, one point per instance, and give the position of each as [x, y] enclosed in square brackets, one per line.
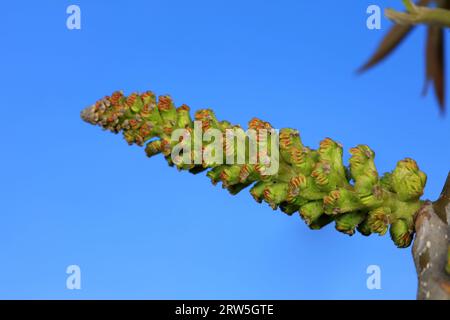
[73, 194]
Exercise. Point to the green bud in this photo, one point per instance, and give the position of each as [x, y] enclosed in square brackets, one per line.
[306, 188]
[330, 152]
[215, 173]
[340, 201]
[401, 233]
[230, 175]
[407, 180]
[348, 222]
[258, 189]
[289, 139]
[149, 99]
[249, 173]
[311, 212]
[378, 220]
[304, 160]
[321, 175]
[373, 199]
[362, 169]
[153, 148]
[135, 102]
[293, 194]
[184, 118]
[208, 119]
[275, 193]
[168, 112]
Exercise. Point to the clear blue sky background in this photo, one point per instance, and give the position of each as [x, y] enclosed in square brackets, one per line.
[72, 194]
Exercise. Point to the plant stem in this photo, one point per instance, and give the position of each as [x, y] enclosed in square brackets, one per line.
[420, 15]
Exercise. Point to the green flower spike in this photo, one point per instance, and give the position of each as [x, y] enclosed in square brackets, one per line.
[314, 183]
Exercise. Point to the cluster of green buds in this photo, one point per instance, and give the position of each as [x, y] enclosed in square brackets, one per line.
[314, 183]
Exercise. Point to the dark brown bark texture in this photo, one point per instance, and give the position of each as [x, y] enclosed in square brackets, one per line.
[431, 247]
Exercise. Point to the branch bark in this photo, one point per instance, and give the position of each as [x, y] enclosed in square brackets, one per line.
[431, 247]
